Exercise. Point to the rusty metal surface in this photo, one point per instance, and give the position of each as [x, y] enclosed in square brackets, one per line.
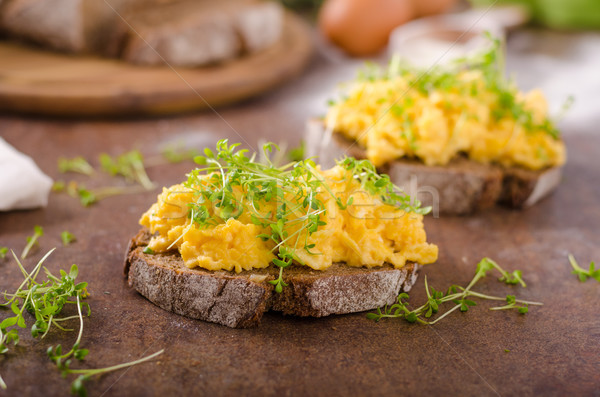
[554, 350]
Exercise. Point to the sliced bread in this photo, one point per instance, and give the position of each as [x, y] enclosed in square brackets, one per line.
[238, 300]
[57, 24]
[77, 26]
[194, 33]
[180, 32]
[459, 188]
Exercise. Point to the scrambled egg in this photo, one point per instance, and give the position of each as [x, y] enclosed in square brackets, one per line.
[367, 233]
[393, 118]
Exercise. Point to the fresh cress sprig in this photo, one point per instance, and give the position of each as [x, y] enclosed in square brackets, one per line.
[25, 293]
[77, 164]
[583, 274]
[381, 186]
[45, 301]
[129, 165]
[457, 295]
[88, 197]
[67, 237]
[59, 186]
[3, 252]
[297, 153]
[490, 62]
[38, 232]
[78, 388]
[283, 200]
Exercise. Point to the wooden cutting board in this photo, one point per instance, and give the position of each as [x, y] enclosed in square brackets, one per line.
[36, 81]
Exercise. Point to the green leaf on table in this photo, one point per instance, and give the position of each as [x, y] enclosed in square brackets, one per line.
[67, 237]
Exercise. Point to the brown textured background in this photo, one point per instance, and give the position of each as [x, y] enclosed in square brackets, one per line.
[554, 350]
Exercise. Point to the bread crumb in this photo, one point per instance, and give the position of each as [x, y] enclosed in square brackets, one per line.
[257, 278]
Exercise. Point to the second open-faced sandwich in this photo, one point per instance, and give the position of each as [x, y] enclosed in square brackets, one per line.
[239, 238]
[460, 134]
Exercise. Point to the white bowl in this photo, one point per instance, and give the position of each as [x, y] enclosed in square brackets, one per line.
[441, 38]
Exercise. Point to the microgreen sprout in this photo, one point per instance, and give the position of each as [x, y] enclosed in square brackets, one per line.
[297, 153]
[77, 164]
[45, 301]
[457, 295]
[77, 387]
[87, 197]
[67, 237]
[27, 292]
[283, 200]
[59, 186]
[3, 252]
[583, 274]
[381, 186]
[38, 232]
[511, 303]
[129, 165]
[490, 62]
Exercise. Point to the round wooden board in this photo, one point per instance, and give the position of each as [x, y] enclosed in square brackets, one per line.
[42, 82]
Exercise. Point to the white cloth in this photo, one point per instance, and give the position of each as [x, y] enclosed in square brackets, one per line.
[22, 184]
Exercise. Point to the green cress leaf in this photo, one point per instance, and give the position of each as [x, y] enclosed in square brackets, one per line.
[226, 172]
[455, 294]
[444, 77]
[67, 237]
[297, 153]
[130, 165]
[45, 302]
[583, 274]
[59, 186]
[76, 164]
[38, 232]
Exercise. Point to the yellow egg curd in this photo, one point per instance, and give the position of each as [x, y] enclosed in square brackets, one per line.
[367, 232]
[435, 118]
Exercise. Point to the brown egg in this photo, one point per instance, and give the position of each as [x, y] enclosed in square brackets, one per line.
[362, 27]
[430, 7]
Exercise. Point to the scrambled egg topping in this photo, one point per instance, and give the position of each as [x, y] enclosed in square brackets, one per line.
[367, 233]
[394, 118]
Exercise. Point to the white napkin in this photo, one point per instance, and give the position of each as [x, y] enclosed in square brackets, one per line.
[22, 184]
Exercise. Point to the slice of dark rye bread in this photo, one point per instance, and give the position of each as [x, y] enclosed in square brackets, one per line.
[459, 188]
[238, 300]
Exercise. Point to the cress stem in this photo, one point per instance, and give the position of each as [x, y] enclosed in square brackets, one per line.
[114, 367]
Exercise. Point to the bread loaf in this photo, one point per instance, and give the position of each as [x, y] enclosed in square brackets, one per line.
[180, 32]
[193, 33]
[58, 24]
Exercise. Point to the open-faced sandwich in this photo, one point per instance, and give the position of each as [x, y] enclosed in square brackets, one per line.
[468, 138]
[241, 237]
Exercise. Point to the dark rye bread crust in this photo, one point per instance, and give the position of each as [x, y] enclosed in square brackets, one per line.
[463, 186]
[239, 300]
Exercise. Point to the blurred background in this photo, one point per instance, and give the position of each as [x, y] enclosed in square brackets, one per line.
[122, 71]
[149, 58]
